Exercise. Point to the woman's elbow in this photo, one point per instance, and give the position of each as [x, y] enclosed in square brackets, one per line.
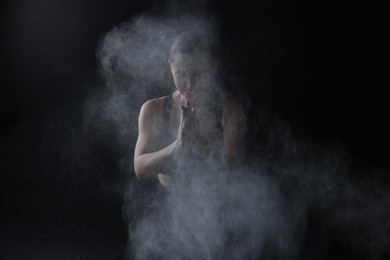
[141, 171]
[139, 176]
[138, 169]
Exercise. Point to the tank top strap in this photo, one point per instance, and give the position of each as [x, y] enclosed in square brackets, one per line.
[218, 109]
[168, 100]
[218, 115]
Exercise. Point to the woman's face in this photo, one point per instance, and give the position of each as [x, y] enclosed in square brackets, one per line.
[192, 76]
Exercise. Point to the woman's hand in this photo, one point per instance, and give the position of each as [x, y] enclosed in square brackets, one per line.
[189, 140]
[186, 126]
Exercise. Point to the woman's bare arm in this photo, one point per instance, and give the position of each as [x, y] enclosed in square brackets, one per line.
[148, 161]
[234, 132]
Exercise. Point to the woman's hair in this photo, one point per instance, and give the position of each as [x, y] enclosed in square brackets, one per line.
[191, 43]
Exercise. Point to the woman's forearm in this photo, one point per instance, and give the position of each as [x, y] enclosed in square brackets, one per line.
[148, 165]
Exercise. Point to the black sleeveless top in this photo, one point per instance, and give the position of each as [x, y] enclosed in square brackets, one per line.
[168, 102]
[166, 139]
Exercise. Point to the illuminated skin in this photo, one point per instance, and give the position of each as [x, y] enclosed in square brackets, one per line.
[190, 75]
[192, 122]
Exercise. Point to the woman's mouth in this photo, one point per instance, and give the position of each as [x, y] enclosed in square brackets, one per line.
[188, 94]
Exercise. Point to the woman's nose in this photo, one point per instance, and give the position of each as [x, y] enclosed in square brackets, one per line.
[190, 82]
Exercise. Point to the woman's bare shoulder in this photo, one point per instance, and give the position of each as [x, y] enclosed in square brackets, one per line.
[153, 109]
[154, 106]
[231, 104]
[154, 103]
[233, 109]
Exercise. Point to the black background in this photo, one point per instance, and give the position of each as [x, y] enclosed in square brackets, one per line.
[319, 65]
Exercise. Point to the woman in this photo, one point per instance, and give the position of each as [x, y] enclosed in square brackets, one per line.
[194, 123]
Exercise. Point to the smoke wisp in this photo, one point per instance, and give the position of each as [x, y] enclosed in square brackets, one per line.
[262, 213]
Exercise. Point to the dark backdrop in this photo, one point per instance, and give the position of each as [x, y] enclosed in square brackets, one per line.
[320, 66]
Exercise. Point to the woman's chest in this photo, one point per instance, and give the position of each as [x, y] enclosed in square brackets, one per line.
[206, 121]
